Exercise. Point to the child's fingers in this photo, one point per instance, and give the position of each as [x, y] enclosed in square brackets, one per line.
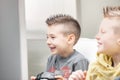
[59, 77]
[81, 73]
[85, 73]
[78, 75]
[32, 77]
[73, 77]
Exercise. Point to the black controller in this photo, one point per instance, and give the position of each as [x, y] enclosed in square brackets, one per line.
[47, 76]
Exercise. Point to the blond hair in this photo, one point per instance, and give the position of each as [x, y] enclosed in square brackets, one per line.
[111, 11]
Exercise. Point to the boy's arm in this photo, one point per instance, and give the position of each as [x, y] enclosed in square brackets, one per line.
[79, 70]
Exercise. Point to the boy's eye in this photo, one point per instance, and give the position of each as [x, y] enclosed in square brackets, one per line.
[52, 37]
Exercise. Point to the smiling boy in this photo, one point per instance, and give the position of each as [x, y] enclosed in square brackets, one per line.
[107, 65]
[62, 34]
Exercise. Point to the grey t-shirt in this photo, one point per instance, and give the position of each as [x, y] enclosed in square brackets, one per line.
[66, 66]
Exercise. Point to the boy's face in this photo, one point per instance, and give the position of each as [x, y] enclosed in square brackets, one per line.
[56, 40]
[107, 38]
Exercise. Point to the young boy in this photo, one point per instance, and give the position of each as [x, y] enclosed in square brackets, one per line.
[107, 66]
[62, 34]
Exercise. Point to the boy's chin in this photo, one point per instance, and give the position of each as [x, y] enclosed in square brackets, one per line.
[53, 52]
[100, 51]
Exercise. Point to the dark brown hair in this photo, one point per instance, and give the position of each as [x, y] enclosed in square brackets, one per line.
[70, 23]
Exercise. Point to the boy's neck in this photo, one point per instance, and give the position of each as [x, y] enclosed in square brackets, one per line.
[116, 59]
[67, 53]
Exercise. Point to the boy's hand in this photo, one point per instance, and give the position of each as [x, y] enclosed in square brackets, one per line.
[60, 77]
[78, 75]
[32, 77]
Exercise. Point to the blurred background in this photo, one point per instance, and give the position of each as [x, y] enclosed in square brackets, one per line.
[87, 12]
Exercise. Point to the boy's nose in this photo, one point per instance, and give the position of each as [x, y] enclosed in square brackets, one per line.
[97, 37]
[48, 41]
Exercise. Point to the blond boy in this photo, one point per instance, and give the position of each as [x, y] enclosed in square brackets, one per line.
[107, 65]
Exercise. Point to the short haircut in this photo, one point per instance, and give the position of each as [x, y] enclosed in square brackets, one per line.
[113, 13]
[71, 25]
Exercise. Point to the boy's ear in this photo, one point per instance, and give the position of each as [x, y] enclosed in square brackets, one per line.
[118, 41]
[71, 39]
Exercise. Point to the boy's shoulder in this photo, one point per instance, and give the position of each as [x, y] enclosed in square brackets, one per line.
[77, 56]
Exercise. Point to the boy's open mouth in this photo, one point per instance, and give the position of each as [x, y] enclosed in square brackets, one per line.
[99, 43]
[52, 48]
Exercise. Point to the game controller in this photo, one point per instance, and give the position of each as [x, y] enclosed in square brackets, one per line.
[48, 75]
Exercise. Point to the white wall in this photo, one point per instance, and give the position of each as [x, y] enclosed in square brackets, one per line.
[37, 11]
[12, 37]
[90, 14]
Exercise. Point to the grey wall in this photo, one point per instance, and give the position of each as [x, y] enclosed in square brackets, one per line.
[90, 14]
[10, 54]
[37, 57]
